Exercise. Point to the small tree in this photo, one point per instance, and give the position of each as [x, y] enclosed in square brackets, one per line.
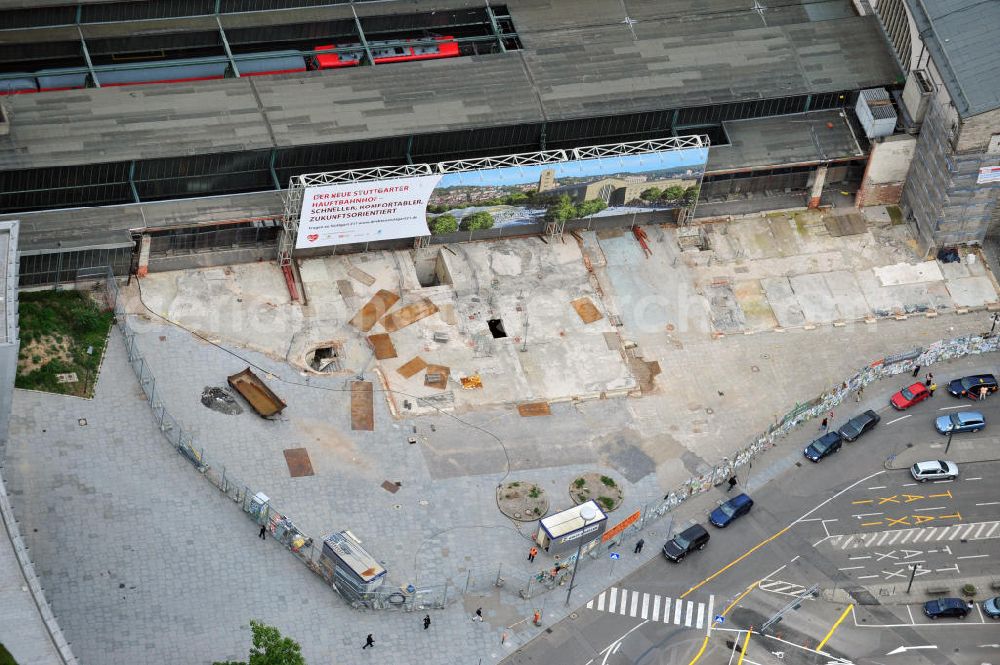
[651, 194]
[444, 224]
[691, 193]
[270, 648]
[672, 193]
[477, 221]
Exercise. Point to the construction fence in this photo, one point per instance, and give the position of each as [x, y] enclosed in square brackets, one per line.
[518, 581]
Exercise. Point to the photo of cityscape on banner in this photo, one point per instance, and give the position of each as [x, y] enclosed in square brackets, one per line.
[500, 197]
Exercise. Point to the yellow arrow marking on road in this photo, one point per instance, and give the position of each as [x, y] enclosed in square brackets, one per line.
[910, 498]
[901, 520]
[920, 519]
[888, 499]
[941, 495]
[956, 516]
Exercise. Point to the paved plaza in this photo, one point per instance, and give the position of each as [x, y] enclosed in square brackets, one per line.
[145, 562]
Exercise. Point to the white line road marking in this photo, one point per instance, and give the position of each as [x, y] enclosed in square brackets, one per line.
[709, 616]
[910, 612]
[924, 510]
[666, 610]
[624, 605]
[813, 519]
[590, 604]
[852, 568]
[617, 647]
[858, 558]
[972, 556]
[962, 406]
[678, 608]
[700, 616]
[611, 598]
[689, 614]
[866, 577]
[878, 487]
[989, 503]
[976, 478]
[895, 536]
[600, 602]
[635, 603]
[656, 609]
[644, 613]
[898, 419]
[866, 515]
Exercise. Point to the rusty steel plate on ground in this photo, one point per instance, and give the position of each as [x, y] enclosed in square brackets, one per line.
[382, 344]
[586, 309]
[412, 366]
[437, 376]
[392, 488]
[374, 310]
[362, 406]
[534, 409]
[298, 462]
[409, 315]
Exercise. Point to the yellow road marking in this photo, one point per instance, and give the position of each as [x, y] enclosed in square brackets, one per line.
[920, 519]
[910, 498]
[819, 647]
[901, 520]
[941, 495]
[745, 643]
[957, 516]
[871, 523]
[888, 499]
[700, 651]
[733, 563]
[740, 597]
[861, 501]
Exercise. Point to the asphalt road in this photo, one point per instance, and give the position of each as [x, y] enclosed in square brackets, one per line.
[849, 529]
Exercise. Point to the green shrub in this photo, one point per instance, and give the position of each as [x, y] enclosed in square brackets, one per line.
[477, 221]
[607, 480]
[443, 224]
[579, 482]
[606, 502]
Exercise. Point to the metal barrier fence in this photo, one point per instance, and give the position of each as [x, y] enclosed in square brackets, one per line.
[483, 580]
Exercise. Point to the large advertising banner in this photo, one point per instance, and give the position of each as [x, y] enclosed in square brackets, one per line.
[508, 196]
[364, 212]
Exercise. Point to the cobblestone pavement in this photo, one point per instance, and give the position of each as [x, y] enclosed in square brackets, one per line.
[144, 561]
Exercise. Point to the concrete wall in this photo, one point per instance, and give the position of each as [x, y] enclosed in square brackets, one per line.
[888, 165]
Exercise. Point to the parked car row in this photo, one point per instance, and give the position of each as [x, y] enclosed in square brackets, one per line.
[974, 387]
[832, 441]
[956, 608]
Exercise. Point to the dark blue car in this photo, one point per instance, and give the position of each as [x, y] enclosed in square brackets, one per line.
[825, 445]
[731, 510]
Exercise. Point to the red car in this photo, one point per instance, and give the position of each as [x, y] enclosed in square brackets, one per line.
[909, 396]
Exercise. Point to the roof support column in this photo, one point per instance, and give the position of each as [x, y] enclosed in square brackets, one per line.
[86, 56]
[496, 28]
[225, 45]
[809, 101]
[131, 182]
[816, 192]
[274, 174]
[409, 149]
[361, 36]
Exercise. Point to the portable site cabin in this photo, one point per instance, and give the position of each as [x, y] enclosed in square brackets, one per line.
[350, 566]
[560, 533]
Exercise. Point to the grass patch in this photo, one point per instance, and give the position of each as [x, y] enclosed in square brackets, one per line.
[606, 502]
[5, 657]
[57, 327]
[895, 214]
[607, 480]
[579, 482]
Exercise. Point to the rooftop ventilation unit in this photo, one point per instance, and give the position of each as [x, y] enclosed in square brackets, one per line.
[876, 113]
[916, 94]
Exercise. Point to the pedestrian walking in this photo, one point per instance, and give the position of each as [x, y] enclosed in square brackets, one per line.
[823, 424]
[479, 615]
[532, 553]
[857, 395]
[427, 621]
[931, 388]
[369, 642]
[983, 390]
[930, 379]
[732, 483]
[916, 371]
[638, 546]
[263, 532]
[831, 414]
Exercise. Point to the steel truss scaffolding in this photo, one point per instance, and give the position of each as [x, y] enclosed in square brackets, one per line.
[297, 184]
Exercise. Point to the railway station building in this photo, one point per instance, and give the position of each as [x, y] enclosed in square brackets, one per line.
[179, 172]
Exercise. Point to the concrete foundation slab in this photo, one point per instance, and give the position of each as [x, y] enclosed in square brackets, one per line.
[972, 291]
[781, 296]
[909, 273]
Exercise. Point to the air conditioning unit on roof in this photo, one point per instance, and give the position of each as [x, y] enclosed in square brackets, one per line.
[876, 112]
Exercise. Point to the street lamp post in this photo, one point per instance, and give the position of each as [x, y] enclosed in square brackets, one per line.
[587, 513]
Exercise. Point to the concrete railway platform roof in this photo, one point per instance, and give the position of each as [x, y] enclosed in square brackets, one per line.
[579, 60]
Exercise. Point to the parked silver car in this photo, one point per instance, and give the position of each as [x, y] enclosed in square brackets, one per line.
[934, 470]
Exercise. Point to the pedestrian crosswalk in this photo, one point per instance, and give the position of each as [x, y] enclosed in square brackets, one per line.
[653, 607]
[962, 531]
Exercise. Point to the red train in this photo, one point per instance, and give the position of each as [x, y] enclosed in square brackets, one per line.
[255, 64]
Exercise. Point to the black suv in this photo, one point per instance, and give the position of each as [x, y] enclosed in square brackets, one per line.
[858, 425]
[969, 386]
[690, 539]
